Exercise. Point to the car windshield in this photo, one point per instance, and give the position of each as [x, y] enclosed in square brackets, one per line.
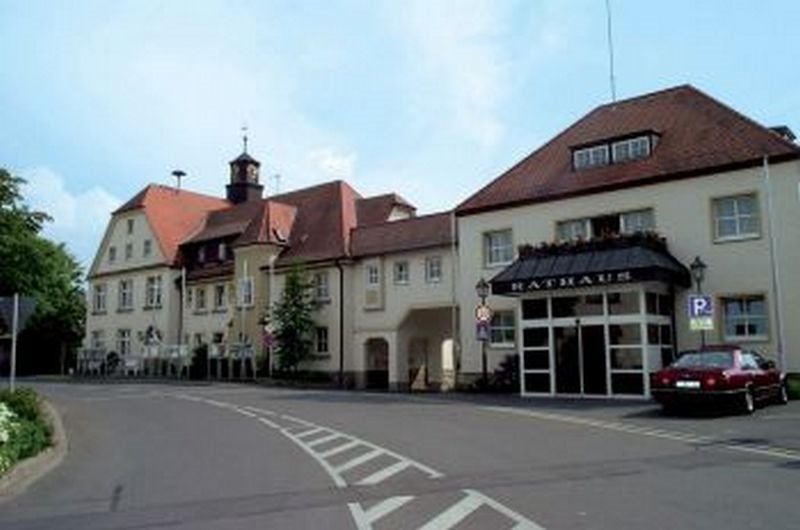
[708, 359]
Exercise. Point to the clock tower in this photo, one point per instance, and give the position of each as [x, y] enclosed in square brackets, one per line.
[244, 185]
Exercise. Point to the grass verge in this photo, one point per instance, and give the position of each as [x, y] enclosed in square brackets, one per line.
[23, 429]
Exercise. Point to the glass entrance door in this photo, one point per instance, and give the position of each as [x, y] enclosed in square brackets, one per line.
[580, 355]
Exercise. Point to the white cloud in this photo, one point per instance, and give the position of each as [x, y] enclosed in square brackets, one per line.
[334, 164]
[79, 218]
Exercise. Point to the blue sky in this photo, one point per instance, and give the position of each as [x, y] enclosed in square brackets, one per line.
[430, 99]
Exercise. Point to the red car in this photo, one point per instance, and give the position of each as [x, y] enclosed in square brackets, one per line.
[725, 373]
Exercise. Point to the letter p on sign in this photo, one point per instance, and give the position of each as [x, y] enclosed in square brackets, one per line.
[700, 306]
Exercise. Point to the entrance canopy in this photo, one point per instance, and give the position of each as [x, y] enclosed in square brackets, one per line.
[637, 258]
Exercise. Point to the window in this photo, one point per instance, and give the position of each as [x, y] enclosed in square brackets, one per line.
[126, 294]
[124, 342]
[147, 248]
[128, 251]
[153, 292]
[573, 230]
[744, 317]
[321, 291]
[112, 254]
[498, 248]
[373, 275]
[606, 225]
[200, 299]
[590, 157]
[130, 226]
[99, 298]
[246, 291]
[219, 296]
[736, 217]
[637, 221]
[501, 332]
[321, 341]
[632, 149]
[201, 254]
[433, 270]
[401, 272]
[97, 340]
[222, 252]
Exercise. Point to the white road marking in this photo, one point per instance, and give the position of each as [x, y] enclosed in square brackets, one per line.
[365, 518]
[694, 439]
[340, 449]
[305, 434]
[269, 423]
[383, 474]
[357, 461]
[324, 439]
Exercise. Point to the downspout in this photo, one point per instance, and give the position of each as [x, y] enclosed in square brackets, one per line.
[453, 299]
[777, 296]
[341, 322]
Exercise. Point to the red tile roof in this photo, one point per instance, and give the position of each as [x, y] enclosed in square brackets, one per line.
[416, 233]
[172, 213]
[697, 135]
[375, 210]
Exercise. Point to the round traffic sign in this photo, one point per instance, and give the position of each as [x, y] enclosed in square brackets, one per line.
[483, 313]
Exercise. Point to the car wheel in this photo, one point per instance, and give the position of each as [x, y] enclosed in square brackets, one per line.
[783, 394]
[748, 402]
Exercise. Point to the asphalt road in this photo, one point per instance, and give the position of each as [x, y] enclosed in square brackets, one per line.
[240, 457]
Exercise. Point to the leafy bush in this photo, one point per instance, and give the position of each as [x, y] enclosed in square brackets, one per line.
[793, 385]
[23, 430]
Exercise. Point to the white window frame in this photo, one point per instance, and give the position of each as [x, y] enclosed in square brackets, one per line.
[373, 275]
[623, 221]
[594, 156]
[128, 251]
[97, 340]
[200, 299]
[433, 269]
[321, 286]
[634, 149]
[745, 318]
[572, 226]
[736, 217]
[498, 253]
[402, 272]
[130, 226]
[147, 248]
[125, 294]
[321, 340]
[246, 292]
[219, 296]
[124, 342]
[153, 291]
[508, 322]
[99, 297]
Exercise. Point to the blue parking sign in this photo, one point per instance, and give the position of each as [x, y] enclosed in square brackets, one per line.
[701, 312]
[700, 306]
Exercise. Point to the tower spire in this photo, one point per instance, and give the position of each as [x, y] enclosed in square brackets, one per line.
[244, 137]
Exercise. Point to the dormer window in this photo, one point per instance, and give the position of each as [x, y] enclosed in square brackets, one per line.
[614, 151]
[631, 149]
[591, 157]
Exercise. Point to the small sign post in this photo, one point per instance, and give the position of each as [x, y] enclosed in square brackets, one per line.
[701, 314]
[17, 310]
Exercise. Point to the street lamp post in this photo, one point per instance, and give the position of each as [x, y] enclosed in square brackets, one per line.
[698, 269]
[482, 289]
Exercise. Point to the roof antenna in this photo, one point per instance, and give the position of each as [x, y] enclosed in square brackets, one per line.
[178, 174]
[610, 53]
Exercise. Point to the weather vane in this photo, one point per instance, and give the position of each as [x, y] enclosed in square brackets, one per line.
[244, 137]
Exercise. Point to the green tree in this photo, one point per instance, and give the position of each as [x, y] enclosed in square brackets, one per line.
[294, 325]
[34, 266]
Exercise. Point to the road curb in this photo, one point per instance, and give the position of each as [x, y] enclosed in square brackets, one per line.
[25, 473]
